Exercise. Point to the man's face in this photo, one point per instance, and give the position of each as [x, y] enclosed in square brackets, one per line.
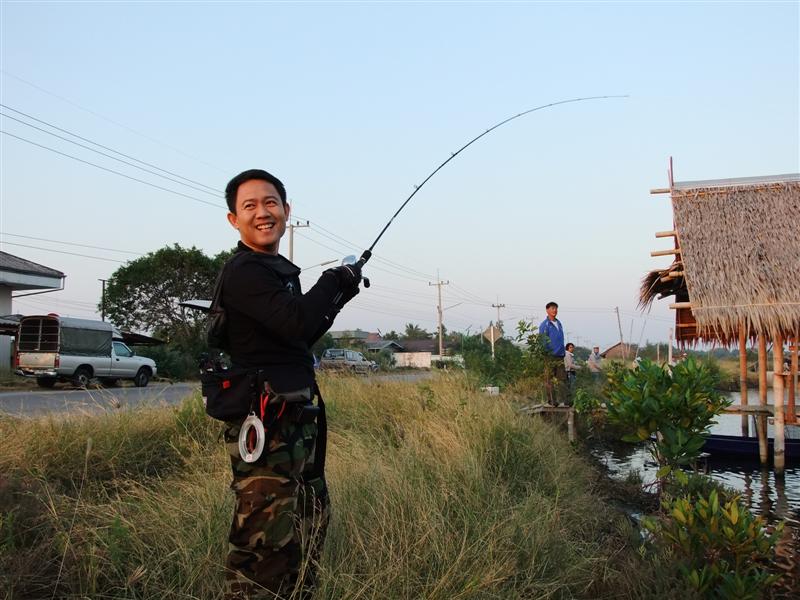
[552, 312]
[260, 216]
[596, 349]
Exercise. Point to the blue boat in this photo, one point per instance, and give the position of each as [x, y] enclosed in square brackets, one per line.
[747, 447]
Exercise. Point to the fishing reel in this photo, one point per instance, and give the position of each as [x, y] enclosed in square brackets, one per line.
[351, 260]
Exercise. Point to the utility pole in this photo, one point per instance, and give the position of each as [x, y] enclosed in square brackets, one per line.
[103, 301]
[498, 306]
[292, 226]
[669, 348]
[621, 340]
[439, 283]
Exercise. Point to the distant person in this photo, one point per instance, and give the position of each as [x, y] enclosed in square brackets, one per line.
[553, 332]
[594, 362]
[569, 366]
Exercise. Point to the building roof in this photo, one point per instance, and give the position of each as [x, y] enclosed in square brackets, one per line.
[421, 346]
[383, 344]
[739, 257]
[9, 262]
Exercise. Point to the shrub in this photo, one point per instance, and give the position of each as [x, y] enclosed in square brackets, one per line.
[723, 551]
[669, 408]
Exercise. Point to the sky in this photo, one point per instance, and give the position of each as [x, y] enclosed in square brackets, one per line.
[352, 104]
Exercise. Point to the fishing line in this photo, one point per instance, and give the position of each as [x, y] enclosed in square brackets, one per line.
[365, 256]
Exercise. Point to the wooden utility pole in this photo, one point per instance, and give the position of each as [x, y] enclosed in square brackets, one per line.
[621, 339]
[439, 283]
[669, 348]
[777, 390]
[743, 377]
[103, 301]
[292, 226]
[762, 398]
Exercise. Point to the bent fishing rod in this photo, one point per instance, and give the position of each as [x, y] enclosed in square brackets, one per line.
[367, 254]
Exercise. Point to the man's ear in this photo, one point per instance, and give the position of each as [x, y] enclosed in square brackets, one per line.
[233, 220]
[287, 209]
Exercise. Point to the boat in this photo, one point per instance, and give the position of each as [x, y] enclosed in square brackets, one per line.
[738, 446]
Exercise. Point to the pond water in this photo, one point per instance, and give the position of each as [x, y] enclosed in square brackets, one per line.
[774, 498]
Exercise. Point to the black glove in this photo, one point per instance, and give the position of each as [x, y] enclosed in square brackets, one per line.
[349, 276]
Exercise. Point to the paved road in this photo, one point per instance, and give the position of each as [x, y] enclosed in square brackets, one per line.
[34, 403]
[31, 403]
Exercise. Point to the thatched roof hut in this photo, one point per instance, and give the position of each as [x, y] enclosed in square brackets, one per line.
[737, 258]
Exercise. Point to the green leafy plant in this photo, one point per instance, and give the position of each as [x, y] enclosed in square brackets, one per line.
[669, 408]
[723, 551]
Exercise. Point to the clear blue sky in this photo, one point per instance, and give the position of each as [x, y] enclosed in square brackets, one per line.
[351, 104]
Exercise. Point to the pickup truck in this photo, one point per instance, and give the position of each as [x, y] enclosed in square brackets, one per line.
[52, 348]
[346, 360]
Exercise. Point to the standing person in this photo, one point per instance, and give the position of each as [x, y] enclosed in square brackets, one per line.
[555, 375]
[570, 366]
[594, 362]
[281, 511]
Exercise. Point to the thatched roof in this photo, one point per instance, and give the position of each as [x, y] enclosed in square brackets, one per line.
[739, 243]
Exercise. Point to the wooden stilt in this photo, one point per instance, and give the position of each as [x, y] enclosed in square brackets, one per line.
[777, 390]
[571, 425]
[743, 376]
[762, 397]
[791, 410]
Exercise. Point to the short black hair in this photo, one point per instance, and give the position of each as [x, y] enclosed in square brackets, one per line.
[568, 345]
[549, 304]
[249, 175]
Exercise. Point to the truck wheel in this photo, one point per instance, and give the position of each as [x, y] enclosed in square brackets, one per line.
[142, 378]
[45, 382]
[82, 377]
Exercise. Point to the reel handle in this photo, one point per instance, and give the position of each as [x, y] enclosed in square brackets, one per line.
[365, 256]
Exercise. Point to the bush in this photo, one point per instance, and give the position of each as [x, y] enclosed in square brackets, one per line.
[721, 549]
[669, 408]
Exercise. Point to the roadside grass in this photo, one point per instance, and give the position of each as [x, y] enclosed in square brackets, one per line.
[438, 492]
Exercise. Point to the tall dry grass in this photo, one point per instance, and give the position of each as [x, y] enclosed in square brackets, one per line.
[438, 492]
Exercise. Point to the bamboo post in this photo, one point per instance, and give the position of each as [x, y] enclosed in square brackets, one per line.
[777, 390]
[571, 424]
[743, 377]
[762, 398]
[791, 416]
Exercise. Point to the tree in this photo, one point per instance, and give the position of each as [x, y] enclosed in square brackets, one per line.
[415, 332]
[392, 335]
[144, 293]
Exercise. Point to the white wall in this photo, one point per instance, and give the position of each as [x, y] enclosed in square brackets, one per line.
[417, 360]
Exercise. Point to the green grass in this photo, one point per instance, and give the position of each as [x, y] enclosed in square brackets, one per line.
[438, 492]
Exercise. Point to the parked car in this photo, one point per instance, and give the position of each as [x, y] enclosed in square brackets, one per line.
[52, 348]
[340, 359]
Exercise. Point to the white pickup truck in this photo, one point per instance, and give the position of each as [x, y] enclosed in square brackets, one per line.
[52, 348]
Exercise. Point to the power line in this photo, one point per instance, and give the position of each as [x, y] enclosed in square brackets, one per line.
[215, 193]
[28, 237]
[100, 116]
[65, 252]
[112, 170]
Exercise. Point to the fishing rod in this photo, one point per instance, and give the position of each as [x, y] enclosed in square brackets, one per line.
[367, 254]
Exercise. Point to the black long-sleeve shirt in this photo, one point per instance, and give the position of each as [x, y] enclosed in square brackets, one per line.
[271, 324]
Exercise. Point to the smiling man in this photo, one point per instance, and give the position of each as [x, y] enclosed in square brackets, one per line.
[281, 509]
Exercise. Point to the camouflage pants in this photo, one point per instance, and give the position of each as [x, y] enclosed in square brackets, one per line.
[280, 517]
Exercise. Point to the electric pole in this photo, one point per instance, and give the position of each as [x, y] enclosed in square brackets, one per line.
[621, 339]
[291, 236]
[439, 283]
[498, 306]
[103, 301]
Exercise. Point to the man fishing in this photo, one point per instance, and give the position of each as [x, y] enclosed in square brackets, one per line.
[282, 506]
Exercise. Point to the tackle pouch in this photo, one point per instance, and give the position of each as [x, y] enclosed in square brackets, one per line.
[229, 395]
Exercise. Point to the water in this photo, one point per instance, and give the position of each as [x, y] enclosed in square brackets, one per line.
[763, 493]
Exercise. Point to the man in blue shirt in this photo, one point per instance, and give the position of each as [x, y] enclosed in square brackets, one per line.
[554, 342]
